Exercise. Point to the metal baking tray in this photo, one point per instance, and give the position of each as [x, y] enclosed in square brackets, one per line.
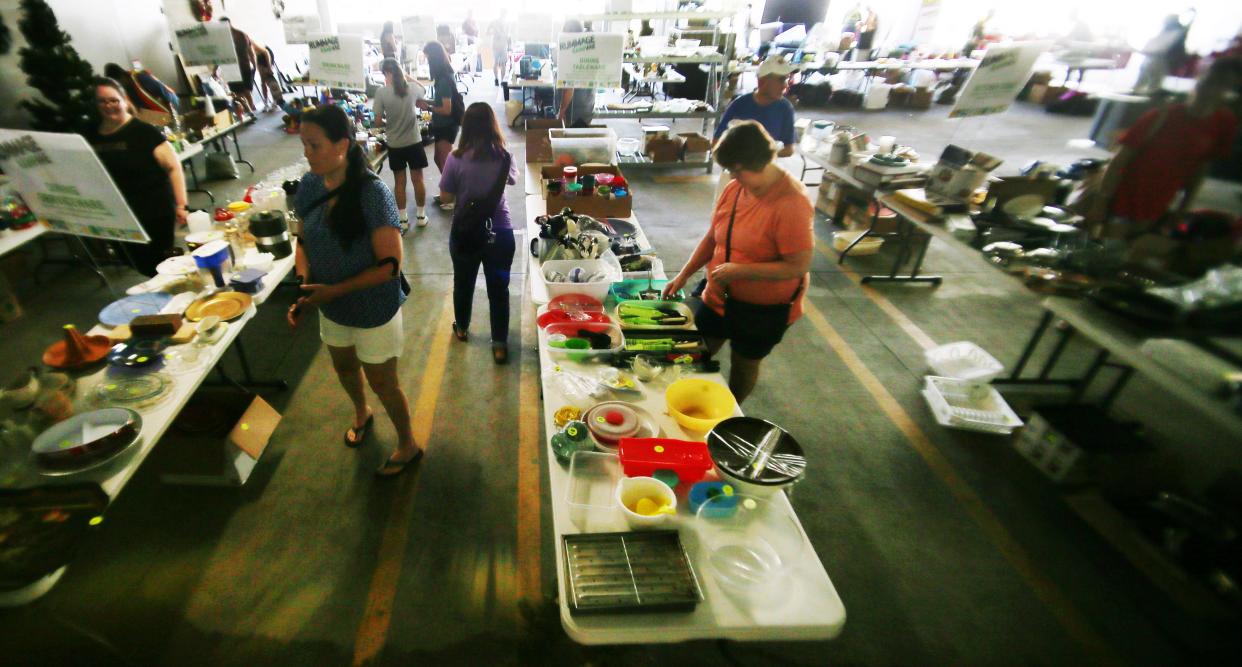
[629, 572]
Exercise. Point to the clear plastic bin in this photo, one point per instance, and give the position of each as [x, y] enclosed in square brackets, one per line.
[597, 289]
[584, 145]
[593, 478]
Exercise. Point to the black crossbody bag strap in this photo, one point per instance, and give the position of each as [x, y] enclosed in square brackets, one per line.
[729, 243]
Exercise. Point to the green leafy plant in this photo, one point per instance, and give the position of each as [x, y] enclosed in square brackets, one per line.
[54, 68]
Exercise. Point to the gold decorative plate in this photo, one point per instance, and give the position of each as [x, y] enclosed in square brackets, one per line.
[228, 306]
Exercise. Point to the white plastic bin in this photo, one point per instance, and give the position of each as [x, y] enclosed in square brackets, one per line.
[598, 289]
[963, 360]
[593, 477]
[969, 406]
[877, 96]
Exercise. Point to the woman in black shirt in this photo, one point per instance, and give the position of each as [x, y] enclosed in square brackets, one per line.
[445, 121]
[145, 169]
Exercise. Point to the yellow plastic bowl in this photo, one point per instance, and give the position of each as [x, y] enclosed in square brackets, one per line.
[698, 405]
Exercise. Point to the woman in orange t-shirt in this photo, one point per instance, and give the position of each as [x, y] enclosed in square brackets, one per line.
[757, 253]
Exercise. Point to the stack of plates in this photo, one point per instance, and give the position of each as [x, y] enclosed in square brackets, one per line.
[133, 391]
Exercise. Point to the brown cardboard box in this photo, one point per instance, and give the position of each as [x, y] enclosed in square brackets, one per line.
[858, 219]
[1051, 93]
[695, 142]
[200, 121]
[538, 145]
[921, 99]
[594, 206]
[156, 118]
[899, 96]
[218, 438]
[665, 150]
[1035, 94]
[1041, 78]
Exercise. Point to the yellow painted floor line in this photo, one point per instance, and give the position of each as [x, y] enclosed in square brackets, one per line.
[1045, 589]
[376, 618]
[529, 549]
[899, 318]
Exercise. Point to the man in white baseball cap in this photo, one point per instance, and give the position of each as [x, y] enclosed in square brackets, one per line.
[767, 105]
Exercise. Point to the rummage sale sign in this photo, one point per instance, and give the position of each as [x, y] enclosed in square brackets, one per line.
[336, 61]
[65, 184]
[588, 60]
[206, 44]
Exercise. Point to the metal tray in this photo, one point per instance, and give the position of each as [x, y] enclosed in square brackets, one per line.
[629, 572]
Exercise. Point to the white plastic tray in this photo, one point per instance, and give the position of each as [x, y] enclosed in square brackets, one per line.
[963, 360]
[970, 406]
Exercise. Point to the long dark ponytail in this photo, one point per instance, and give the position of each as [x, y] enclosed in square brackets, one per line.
[392, 68]
[345, 218]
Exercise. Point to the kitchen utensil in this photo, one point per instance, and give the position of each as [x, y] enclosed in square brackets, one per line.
[227, 306]
[215, 263]
[645, 502]
[629, 572]
[573, 438]
[125, 309]
[652, 314]
[704, 491]
[271, 233]
[85, 441]
[137, 353]
[688, 460]
[180, 265]
[751, 548]
[132, 391]
[21, 391]
[76, 350]
[756, 456]
[698, 405]
[610, 421]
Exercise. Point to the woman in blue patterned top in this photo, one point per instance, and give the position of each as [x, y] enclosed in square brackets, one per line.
[349, 264]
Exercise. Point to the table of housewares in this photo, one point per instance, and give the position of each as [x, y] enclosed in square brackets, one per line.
[113, 475]
[808, 607]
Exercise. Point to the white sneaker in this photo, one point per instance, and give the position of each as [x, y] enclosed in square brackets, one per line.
[421, 221]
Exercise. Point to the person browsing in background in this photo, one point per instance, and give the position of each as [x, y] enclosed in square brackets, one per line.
[349, 263]
[472, 173]
[757, 253]
[469, 28]
[388, 41]
[577, 108]
[445, 120]
[444, 35]
[145, 169]
[767, 106]
[395, 109]
[499, 32]
[1165, 153]
[245, 62]
[269, 87]
[144, 89]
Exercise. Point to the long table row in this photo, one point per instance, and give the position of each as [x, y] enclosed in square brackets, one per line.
[810, 607]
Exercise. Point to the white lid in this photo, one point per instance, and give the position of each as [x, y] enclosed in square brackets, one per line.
[211, 248]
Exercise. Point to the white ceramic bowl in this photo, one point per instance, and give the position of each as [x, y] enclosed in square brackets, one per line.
[631, 489]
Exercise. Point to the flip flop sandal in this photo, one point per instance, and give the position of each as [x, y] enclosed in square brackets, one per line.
[360, 433]
[397, 467]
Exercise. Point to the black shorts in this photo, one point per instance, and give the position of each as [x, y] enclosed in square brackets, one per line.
[712, 325]
[444, 133]
[413, 157]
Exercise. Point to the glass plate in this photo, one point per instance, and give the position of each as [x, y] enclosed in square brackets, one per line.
[133, 391]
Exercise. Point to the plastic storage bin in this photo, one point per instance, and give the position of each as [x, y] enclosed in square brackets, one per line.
[573, 330]
[868, 246]
[969, 406]
[583, 145]
[610, 273]
[963, 360]
[593, 478]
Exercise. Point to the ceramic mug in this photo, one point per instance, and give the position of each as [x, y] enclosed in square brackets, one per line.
[23, 390]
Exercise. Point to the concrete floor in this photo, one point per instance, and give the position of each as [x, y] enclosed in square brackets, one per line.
[946, 547]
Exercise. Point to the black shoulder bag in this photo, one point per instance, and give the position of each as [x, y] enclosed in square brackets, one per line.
[753, 320]
[472, 219]
[323, 199]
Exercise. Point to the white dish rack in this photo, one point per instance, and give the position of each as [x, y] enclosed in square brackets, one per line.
[969, 406]
[963, 360]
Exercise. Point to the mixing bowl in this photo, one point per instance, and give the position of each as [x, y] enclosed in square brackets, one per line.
[698, 405]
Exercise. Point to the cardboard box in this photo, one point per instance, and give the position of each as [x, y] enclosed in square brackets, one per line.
[594, 206]
[665, 150]
[920, 99]
[217, 438]
[1052, 94]
[198, 121]
[538, 145]
[1042, 78]
[695, 142]
[156, 118]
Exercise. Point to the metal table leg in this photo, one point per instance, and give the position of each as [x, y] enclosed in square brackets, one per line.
[237, 146]
[905, 236]
[1101, 358]
[1066, 335]
[1031, 344]
[250, 381]
[196, 188]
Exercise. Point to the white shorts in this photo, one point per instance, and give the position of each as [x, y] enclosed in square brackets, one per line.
[373, 346]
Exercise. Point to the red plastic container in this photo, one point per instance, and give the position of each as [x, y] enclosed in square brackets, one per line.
[576, 302]
[641, 457]
[566, 316]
